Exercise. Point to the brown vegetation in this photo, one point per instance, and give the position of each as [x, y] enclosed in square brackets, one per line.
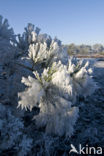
[90, 56]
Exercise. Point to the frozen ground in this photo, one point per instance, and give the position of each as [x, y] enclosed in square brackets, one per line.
[99, 64]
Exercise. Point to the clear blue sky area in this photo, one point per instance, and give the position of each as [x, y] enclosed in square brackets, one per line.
[72, 21]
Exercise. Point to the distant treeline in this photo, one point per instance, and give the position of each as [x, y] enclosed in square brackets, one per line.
[85, 49]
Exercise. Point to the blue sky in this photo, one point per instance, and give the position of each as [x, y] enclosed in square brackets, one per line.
[72, 21]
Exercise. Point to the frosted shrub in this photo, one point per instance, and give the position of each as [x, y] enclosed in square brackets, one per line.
[11, 132]
[55, 86]
[7, 56]
[7, 42]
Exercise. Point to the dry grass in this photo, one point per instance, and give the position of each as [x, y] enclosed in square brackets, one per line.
[89, 56]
